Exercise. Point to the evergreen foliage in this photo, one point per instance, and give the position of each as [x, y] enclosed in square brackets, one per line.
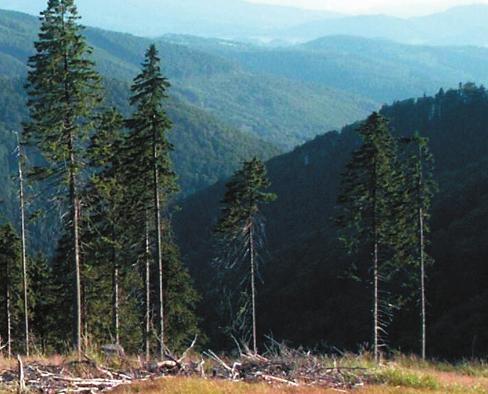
[10, 290]
[369, 217]
[63, 90]
[241, 237]
[419, 190]
[151, 172]
[308, 300]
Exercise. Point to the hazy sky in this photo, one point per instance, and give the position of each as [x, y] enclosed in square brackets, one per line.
[393, 7]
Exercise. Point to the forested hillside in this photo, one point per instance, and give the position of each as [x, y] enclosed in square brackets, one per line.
[270, 107]
[307, 296]
[207, 148]
[380, 70]
[187, 210]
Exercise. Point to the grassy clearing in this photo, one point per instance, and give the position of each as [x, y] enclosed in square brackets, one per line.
[402, 375]
[200, 386]
[405, 375]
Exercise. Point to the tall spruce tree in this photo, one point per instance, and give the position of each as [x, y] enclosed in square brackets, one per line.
[150, 166]
[419, 190]
[369, 217]
[63, 90]
[241, 232]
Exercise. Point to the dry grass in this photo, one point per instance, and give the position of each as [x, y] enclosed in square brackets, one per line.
[403, 375]
[200, 386]
[10, 363]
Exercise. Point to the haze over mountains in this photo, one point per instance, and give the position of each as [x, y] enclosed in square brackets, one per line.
[238, 19]
[222, 18]
[380, 70]
[463, 25]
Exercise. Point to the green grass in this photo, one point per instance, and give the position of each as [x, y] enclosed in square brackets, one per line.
[395, 376]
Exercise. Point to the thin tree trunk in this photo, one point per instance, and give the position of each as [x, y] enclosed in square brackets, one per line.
[159, 255]
[375, 269]
[375, 304]
[115, 295]
[422, 254]
[8, 314]
[253, 288]
[75, 206]
[147, 284]
[422, 283]
[23, 253]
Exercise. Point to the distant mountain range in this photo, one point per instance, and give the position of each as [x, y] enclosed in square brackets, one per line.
[268, 107]
[222, 18]
[241, 20]
[464, 25]
[377, 69]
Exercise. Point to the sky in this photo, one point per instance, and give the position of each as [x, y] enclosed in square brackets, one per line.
[391, 7]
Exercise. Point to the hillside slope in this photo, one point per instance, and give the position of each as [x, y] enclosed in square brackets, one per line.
[306, 297]
[238, 97]
[206, 149]
[381, 70]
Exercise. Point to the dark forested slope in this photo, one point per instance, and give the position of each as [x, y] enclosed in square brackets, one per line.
[306, 297]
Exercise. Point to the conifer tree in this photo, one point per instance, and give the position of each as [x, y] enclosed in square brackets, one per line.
[10, 283]
[63, 90]
[181, 298]
[150, 163]
[43, 302]
[241, 229]
[369, 217]
[106, 192]
[419, 190]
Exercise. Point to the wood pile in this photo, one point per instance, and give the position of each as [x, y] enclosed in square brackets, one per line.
[282, 367]
[288, 367]
[73, 377]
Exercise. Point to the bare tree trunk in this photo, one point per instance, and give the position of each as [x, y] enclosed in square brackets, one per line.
[376, 328]
[159, 254]
[253, 289]
[420, 181]
[23, 245]
[147, 284]
[422, 283]
[376, 304]
[75, 207]
[21, 389]
[115, 295]
[8, 314]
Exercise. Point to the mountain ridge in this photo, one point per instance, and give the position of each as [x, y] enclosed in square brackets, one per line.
[460, 25]
[203, 79]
